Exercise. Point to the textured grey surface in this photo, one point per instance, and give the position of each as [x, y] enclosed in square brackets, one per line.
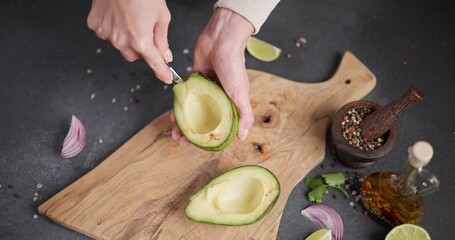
[46, 49]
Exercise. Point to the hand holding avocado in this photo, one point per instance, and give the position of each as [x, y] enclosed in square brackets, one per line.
[139, 29]
[220, 55]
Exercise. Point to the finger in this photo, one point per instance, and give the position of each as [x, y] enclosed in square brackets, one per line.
[94, 18]
[156, 62]
[121, 42]
[175, 133]
[160, 39]
[130, 55]
[242, 102]
[234, 79]
[101, 33]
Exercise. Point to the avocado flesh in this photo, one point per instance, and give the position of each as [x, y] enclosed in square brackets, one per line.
[240, 196]
[204, 113]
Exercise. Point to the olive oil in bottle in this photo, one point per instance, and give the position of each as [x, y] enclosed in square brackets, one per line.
[396, 197]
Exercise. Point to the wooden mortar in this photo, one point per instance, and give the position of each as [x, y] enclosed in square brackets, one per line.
[352, 156]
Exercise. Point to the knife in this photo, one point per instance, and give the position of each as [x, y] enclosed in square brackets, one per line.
[175, 77]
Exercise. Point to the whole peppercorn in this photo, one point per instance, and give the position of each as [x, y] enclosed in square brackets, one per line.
[350, 127]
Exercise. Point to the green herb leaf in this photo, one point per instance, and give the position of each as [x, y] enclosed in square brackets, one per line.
[334, 179]
[317, 194]
[319, 185]
[314, 182]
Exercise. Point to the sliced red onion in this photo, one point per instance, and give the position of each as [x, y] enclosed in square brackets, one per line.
[326, 217]
[75, 139]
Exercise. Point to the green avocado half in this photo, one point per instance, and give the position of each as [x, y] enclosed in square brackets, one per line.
[204, 113]
[240, 196]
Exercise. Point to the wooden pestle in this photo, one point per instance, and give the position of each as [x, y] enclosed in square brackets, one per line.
[378, 122]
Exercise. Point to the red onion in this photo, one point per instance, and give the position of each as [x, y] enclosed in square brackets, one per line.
[326, 217]
[75, 139]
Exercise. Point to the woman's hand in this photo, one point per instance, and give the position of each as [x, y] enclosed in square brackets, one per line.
[220, 54]
[137, 28]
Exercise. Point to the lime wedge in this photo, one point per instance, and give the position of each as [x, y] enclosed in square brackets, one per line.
[408, 231]
[262, 50]
[321, 234]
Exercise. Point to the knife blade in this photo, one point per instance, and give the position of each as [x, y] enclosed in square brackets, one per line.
[175, 76]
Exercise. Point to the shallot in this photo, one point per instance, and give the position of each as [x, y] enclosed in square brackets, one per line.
[75, 139]
[325, 217]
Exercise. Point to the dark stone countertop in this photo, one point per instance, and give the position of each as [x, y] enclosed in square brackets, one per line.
[46, 50]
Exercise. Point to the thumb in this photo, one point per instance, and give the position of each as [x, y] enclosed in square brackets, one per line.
[238, 90]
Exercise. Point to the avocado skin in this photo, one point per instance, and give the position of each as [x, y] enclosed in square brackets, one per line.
[234, 127]
[272, 204]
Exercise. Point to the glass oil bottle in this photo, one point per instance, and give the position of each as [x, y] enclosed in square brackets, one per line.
[396, 197]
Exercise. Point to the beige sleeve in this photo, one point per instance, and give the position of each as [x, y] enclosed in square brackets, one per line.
[255, 11]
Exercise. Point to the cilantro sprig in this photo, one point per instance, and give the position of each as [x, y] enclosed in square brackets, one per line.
[319, 185]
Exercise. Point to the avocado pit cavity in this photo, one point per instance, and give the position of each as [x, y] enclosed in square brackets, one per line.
[237, 196]
[202, 113]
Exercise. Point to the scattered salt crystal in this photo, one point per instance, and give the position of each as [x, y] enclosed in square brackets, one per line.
[125, 108]
[346, 186]
[189, 69]
[300, 42]
[165, 87]
[93, 96]
[353, 193]
[98, 50]
[114, 100]
[35, 198]
[90, 71]
[35, 194]
[357, 198]
[186, 51]
[138, 87]
[351, 204]
[131, 90]
[424, 184]
[100, 140]
[0, 186]
[361, 179]
[35, 216]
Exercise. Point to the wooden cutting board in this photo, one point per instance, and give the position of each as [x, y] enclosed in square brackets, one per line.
[142, 189]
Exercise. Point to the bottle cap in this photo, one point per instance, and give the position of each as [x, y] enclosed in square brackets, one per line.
[420, 154]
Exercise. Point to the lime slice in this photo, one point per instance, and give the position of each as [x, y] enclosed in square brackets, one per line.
[262, 50]
[408, 231]
[321, 234]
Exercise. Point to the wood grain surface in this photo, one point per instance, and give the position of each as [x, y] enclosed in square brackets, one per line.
[142, 189]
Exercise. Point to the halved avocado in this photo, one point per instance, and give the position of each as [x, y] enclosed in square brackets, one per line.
[240, 196]
[204, 113]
